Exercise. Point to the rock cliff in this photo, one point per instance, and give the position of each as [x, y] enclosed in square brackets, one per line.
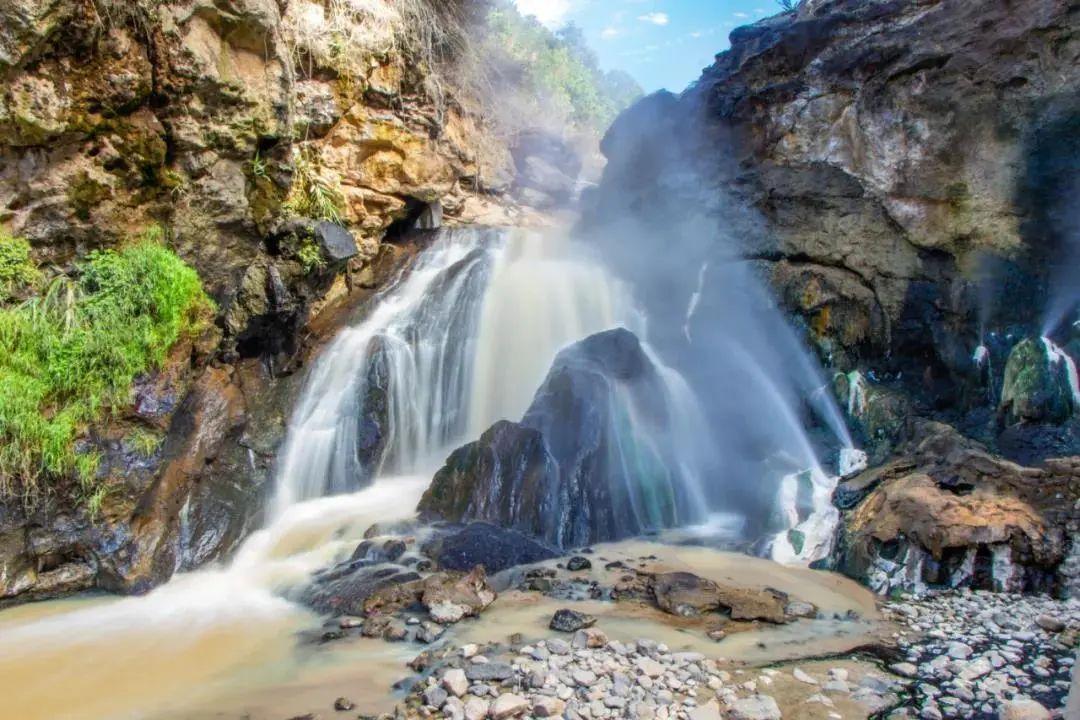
[892, 152]
[899, 171]
[284, 147]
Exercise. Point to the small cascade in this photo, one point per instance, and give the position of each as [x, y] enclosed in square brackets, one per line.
[388, 393]
[1058, 358]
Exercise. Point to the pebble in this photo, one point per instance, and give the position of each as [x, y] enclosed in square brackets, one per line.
[983, 654]
[455, 682]
[757, 707]
[508, 705]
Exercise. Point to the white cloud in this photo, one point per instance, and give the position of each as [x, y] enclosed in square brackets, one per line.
[609, 32]
[550, 12]
[656, 18]
[741, 15]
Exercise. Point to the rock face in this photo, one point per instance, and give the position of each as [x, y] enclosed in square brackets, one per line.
[277, 180]
[588, 462]
[886, 150]
[947, 513]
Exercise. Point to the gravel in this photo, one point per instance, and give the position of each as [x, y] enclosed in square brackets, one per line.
[985, 655]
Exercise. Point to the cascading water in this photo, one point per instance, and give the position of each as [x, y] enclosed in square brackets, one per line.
[459, 341]
[1059, 359]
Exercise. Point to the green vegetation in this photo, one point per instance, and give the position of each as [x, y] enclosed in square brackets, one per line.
[70, 355]
[557, 72]
[143, 442]
[312, 194]
[17, 270]
[310, 256]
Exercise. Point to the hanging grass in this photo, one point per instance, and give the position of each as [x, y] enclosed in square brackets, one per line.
[71, 354]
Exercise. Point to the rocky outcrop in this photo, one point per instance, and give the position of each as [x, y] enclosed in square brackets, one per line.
[946, 513]
[590, 461]
[895, 161]
[286, 171]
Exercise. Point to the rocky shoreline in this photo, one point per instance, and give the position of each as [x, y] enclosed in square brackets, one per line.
[960, 654]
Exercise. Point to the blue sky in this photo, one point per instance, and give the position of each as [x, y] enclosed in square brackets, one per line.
[662, 43]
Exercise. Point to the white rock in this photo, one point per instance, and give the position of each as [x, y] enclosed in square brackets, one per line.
[803, 677]
[649, 668]
[758, 707]
[1023, 710]
[708, 711]
[446, 613]
[455, 682]
[475, 708]
[547, 706]
[508, 705]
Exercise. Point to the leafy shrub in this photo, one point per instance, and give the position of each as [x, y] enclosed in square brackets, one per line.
[17, 270]
[71, 354]
[310, 256]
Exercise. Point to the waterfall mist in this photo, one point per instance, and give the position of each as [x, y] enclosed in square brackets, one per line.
[1063, 306]
[695, 256]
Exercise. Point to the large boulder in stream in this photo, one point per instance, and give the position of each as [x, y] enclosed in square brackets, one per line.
[590, 461]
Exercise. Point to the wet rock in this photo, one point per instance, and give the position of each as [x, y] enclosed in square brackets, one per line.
[494, 548]
[429, 632]
[757, 707]
[518, 474]
[686, 594]
[344, 704]
[578, 563]
[949, 513]
[1036, 387]
[507, 706]
[566, 620]
[800, 609]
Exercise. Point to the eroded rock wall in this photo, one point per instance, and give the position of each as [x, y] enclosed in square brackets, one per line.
[886, 149]
[283, 146]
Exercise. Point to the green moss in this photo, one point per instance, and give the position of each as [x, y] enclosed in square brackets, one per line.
[69, 356]
[85, 194]
[17, 270]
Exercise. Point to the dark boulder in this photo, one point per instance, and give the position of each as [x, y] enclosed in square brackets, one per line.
[592, 460]
[566, 620]
[336, 243]
[495, 548]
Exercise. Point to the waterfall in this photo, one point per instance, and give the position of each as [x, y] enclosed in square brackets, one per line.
[459, 340]
[1058, 358]
[387, 393]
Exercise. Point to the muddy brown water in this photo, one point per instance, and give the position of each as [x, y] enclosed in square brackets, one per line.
[210, 645]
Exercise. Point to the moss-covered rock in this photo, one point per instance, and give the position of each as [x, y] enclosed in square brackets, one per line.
[1036, 387]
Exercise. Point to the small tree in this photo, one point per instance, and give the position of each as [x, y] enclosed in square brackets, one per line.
[788, 5]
